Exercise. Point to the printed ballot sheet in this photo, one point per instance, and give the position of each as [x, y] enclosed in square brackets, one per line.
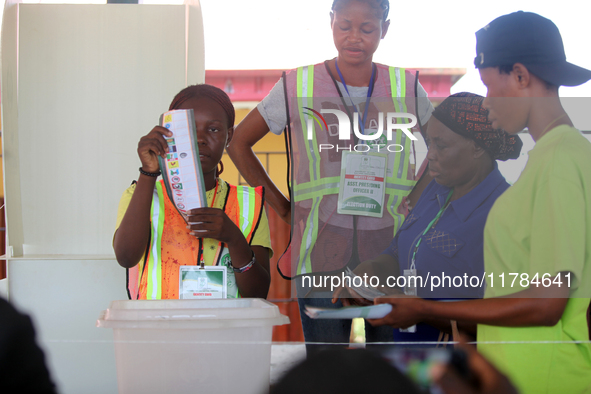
[181, 170]
[349, 312]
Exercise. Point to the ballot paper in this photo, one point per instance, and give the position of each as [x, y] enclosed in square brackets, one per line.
[181, 169]
[349, 312]
[367, 292]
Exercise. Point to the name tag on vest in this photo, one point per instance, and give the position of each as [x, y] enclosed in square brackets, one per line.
[363, 185]
[202, 283]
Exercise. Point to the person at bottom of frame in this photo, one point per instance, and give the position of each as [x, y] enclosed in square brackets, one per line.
[22, 362]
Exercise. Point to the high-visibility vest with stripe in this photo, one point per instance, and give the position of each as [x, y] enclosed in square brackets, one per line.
[171, 244]
[322, 239]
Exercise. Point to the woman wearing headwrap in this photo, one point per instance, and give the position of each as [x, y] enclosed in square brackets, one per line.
[443, 234]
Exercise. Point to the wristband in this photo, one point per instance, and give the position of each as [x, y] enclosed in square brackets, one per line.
[246, 267]
[152, 174]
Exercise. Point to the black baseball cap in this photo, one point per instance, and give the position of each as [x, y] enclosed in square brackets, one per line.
[529, 39]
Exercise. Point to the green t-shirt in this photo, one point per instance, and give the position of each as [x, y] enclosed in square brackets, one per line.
[542, 225]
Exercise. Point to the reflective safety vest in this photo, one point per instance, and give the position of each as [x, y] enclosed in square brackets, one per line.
[322, 239]
[171, 245]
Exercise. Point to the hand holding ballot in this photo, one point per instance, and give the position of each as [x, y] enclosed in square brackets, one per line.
[151, 146]
[213, 223]
[381, 267]
[406, 311]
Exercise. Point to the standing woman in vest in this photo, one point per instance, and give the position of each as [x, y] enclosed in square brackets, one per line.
[323, 240]
[213, 235]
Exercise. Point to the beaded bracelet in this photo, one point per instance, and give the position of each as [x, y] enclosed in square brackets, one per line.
[152, 174]
[246, 267]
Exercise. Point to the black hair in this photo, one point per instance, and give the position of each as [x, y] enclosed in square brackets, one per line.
[213, 93]
[384, 5]
[207, 91]
[507, 68]
[322, 373]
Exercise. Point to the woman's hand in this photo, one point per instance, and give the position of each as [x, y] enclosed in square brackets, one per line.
[349, 297]
[214, 223]
[381, 267]
[133, 234]
[477, 376]
[151, 146]
[406, 311]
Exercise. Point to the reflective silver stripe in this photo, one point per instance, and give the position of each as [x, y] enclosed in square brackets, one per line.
[309, 235]
[398, 187]
[245, 208]
[402, 155]
[313, 167]
[305, 104]
[305, 81]
[401, 106]
[393, 205]
[314, 158]
[155, 249]
[398, 88]
[318, 188]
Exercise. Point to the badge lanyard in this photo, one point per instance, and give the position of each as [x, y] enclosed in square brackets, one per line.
[433, 222]
[200, 256]
[369, 93]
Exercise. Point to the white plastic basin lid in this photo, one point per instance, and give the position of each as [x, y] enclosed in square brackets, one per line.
[241, 312]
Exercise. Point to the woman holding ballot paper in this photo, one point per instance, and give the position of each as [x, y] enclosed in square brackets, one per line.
[443, 234]
[156, 243]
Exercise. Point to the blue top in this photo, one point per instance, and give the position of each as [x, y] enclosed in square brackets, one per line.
[453, 246]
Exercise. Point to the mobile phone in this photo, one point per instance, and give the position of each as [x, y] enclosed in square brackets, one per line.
[417, 362]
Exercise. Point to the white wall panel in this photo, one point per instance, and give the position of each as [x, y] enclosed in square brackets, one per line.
[80, 85]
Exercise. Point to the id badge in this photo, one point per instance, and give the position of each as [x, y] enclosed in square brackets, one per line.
[202, 283]
[411, 290]
[411, 285]
[363, 185]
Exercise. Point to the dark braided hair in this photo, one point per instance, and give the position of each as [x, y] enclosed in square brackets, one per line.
[210, 92]
[206, 91]
[384, 5]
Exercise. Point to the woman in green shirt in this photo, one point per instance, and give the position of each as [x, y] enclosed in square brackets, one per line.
[537, 241]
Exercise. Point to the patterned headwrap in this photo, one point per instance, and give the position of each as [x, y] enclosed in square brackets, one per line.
[463, 114]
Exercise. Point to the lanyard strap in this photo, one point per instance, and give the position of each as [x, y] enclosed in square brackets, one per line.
[431, 224]
[369, 93]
